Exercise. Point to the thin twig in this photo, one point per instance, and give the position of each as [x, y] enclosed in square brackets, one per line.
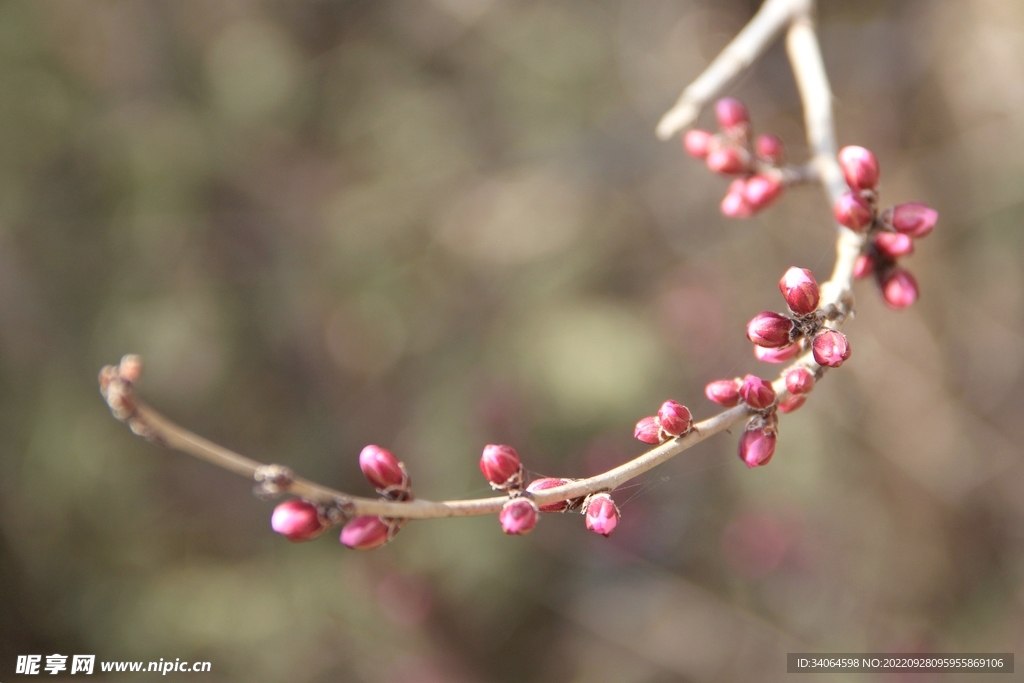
[816, 95]
[151, 425]
[737, 56]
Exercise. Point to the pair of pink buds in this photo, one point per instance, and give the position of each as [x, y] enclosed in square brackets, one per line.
[673, 420]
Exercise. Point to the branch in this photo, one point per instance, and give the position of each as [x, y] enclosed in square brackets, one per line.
[119, 391]
[118, 383]
[816, 96]
[738, 55]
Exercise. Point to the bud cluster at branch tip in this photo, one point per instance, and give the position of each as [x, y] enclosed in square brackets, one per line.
[891, 233]
[761, 178]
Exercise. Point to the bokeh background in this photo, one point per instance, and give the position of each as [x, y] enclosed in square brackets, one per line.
[432, 225]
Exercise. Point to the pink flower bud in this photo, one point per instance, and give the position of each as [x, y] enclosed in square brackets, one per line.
[792, 403]
[501, 466]
[799, 380]
[601, 514]
[648, 430]
[853, 212]
[914, 219]
[731, 113]
[674, 418]
[899, 289]
[756, 392]
[381, 468]
[735, 204]
[726, 160]
[724, 392]
[549, 483]
[518, 516]
[830, 348]
[365, 533]
[859, 167]
[771, 148]
[894, 244]
[864, 266]
[757, 446]
[800, 290]
[770, 329]
[780, 355]
[296, 520]
[697, 143]
[762, 190]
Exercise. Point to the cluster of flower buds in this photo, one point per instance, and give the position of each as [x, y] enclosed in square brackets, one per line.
[502, 467]
[778, 337]
[673, 420]
[891, 232]
[760, 179]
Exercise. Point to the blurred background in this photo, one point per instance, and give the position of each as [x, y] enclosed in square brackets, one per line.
[433, 225]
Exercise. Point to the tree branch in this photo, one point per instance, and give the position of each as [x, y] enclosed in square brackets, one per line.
[117, 383]
[738, 55]
[148, 423]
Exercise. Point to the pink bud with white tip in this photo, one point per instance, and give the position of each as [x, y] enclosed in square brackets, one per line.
[382, 469]
[724, 392]
[601, 514]
[297, 520]
[518, 516]
[674, 418]
[648, 430]
[800, 290]
[770, 329]
[830, 348]
[501, 466]
[860, 167]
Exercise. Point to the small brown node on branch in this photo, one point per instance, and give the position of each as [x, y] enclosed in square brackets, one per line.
[272, 480]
